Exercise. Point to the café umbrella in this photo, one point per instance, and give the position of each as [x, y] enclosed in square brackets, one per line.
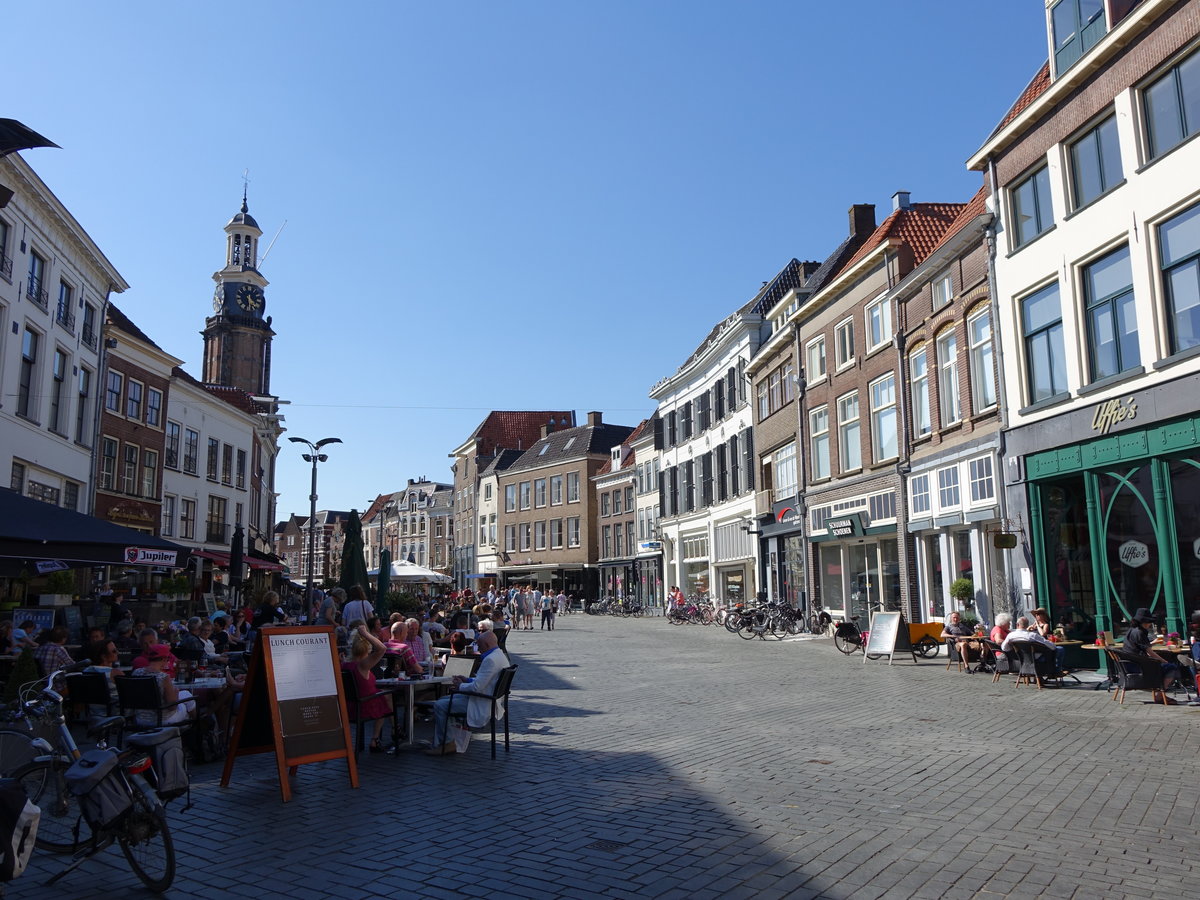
[383, 585]
[354, 567]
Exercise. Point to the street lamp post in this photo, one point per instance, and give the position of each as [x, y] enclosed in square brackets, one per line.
[314, 457]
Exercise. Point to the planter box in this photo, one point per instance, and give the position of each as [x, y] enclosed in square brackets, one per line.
[54, 599]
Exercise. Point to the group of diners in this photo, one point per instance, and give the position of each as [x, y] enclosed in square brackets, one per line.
[1036, 628]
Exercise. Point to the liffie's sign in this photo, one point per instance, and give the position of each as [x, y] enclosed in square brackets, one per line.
[1113, 412]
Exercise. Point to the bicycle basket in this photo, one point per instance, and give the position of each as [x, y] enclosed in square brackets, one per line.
[96, 779]
[164, 746]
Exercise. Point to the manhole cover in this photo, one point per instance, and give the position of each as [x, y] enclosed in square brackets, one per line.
[606, 846]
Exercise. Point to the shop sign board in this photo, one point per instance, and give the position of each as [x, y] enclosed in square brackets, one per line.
[1196, 547]
[1113, 412]
[845, 526]
[1134, 554]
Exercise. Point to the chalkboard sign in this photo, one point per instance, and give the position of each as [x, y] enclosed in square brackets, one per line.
[73, 619]
[888, 635]
[42, 616]
[293, 704]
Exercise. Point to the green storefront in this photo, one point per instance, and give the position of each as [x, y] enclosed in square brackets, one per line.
[1115, 521]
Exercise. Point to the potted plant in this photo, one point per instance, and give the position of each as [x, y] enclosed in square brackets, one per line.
[962, 591]
[59, 589]
[177, 588]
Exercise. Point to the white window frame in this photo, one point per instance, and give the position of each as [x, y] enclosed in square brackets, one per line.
[880, 414]
[981, 477]
[949, 494]
[877, 319]
[814, 360]
[949, 403]
[918, 488]
[783, 470]
[981, 353]
[922, 418]
[943, 290]
[846, 425]
[844, 341]
[819, 442]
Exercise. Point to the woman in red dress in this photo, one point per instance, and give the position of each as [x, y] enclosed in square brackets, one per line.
[366, 651]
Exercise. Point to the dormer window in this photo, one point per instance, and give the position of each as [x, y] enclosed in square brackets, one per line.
[1076, 26]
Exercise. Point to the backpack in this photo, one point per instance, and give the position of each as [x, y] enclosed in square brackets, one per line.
[18, 828]
[206, 743]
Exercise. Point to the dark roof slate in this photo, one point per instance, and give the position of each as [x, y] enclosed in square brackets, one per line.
[572, 443]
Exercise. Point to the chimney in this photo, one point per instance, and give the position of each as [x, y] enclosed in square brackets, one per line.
[900, 201]
[862, 219]
[595, 418]
[548, 428]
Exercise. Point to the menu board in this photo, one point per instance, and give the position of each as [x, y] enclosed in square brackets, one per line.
[888, 634]
[293, 703]
[42, 616]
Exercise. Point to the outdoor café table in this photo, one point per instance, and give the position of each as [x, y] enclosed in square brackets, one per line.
[394, 685]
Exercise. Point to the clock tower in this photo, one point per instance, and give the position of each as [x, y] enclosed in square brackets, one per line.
[237, 337]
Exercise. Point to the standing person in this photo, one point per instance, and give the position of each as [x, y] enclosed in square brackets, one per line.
[327, 608]
[358, 607]
[561, 600]
[547, 604]
[118, 613]
[269, 611]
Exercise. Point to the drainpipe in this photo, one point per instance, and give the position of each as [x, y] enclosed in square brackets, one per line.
[903, 463]
[101, 380]
[1001, 387]
[802, 456]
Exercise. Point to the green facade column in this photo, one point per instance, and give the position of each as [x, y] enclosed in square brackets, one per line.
[1164, 533]
[1037, 541]
[1104, 616]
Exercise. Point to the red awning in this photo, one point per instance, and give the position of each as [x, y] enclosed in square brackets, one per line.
[221, 559]
[263, 564]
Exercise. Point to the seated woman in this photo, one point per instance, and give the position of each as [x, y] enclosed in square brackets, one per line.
[366, 651]
[154, 662]
[1041, 623]
[458, 644]
[954, 628]
[103, 655]
[1001, 629]
[211, 654]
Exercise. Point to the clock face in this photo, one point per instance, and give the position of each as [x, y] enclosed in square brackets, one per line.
[249, 298]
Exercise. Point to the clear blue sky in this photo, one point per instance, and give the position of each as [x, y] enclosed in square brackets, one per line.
[492, 205]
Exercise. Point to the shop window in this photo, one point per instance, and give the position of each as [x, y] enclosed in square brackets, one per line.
[1179, 246]
[1032, 212]
[983, 369]
[849, 433]
[818, 421]
[1045, 351]
[1111, 317]
[1095, 163]
[918, 364]
[1172, 107]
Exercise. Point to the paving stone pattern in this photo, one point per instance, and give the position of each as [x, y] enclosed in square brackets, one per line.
[682, 762]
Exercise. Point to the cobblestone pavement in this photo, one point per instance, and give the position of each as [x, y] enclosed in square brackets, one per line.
[659, 761]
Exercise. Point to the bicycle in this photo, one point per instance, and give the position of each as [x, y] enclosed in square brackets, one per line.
[848, 637]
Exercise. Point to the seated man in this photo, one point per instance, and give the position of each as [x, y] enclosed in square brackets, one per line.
[52, 655]
[1023, 633]
[399, 649]
[1137, 640]
[478, 709]
[955, 628]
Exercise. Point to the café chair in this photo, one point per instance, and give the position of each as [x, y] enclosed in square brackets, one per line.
[1004, 662]
[499, 700]
[90, 689]
[354, 704]
[140, 693]
[954, 656]
[1135, 672]
[1035, 663]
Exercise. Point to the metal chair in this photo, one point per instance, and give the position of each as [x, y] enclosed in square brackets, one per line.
[354, 704]
[1004, 662]
[498, 696]
[91, 689]
[1036, 663]
[1136, 672]
[141, 693]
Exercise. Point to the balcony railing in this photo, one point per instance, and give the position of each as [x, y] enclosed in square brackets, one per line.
[216, 533]
[63, 316]
[89, 336]
[35, 292]
[5, 266]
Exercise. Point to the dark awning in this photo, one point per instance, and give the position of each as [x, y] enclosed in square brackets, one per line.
[31, 530]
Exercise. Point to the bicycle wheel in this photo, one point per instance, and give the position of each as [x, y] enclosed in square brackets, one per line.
[16, 749]
[845, 644]
[926, 646]
[146, 842]
[45, 785]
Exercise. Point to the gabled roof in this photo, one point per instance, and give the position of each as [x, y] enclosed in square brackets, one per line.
[513, 429]
[1032, 91]
[572, 443]
[920, 226]
[236, 397]
[974, 208]
[122, 322]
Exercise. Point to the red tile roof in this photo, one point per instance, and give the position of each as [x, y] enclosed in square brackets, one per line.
[921, 226]
[1032, 91]
[975, 207]
[516, 429]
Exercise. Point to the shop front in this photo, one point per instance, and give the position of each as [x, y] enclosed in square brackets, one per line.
[859, 568]
[649, 588]
[1114, 520]
[617, 578]
[782, 537]
[694, 573]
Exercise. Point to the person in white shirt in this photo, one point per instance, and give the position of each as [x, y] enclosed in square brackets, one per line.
[1023, 633]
